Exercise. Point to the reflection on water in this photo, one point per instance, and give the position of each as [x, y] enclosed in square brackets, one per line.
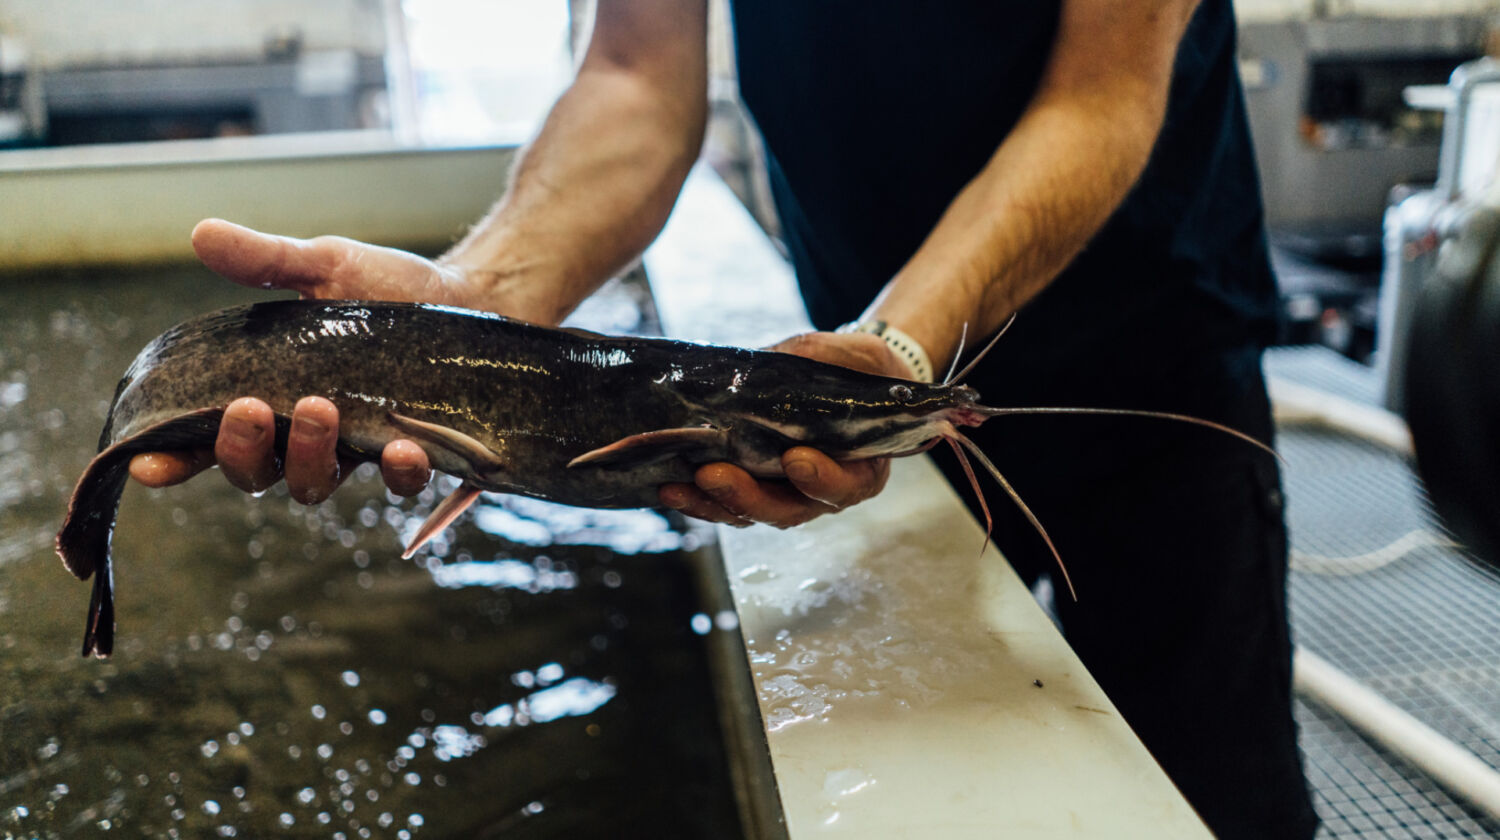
[535, 672]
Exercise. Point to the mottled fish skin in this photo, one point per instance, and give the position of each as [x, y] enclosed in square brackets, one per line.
[558, 414]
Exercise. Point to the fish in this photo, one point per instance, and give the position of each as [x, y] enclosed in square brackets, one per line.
[508, 406]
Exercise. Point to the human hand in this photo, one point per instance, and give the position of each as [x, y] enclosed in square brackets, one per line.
[816, 484]
[327, 267]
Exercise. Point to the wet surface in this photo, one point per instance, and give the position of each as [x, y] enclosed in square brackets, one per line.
[537, 671]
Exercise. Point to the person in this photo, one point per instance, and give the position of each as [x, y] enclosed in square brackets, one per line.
[937, 168]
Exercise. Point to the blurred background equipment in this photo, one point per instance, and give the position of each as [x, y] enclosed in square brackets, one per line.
[1453, 383]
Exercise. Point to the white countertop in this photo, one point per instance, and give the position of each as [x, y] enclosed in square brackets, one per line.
[909, 684]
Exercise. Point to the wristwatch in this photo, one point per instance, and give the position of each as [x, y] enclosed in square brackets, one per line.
[906, 348]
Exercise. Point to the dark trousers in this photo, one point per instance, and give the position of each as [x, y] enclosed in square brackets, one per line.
[1175, 540]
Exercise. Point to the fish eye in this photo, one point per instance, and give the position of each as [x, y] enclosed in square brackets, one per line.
[901, 393]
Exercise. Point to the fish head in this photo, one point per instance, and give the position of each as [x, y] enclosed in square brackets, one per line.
[860, 416]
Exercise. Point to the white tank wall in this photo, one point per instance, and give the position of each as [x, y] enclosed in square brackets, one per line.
[61, 33]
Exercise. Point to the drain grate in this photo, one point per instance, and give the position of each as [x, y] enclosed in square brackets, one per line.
[1379, 590]
[1360, 790]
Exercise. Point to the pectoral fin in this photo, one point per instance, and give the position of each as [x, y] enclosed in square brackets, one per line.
[442, 516]
[481, 458]
[654, 446]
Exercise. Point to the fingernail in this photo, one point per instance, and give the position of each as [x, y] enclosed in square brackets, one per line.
[242, 430]
[801, 471]
[309, 429]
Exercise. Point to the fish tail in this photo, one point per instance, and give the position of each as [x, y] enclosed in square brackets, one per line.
[83, 541]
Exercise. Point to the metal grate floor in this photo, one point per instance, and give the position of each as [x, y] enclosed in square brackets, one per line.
[1379, 590]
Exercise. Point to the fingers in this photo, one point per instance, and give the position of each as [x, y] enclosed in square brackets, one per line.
[834, 483]
[312, 468]
[405, 467]
[818, 485]
[161, 469]
[261, 260]
[246, 445]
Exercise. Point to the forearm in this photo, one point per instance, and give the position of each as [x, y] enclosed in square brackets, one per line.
[594, 187]
[1049, 187]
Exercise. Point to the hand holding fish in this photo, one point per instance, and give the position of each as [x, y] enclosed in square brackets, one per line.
[326, 267]
[816, 484]
[335, 267]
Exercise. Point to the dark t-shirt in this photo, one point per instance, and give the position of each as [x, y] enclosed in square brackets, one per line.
[876, 114]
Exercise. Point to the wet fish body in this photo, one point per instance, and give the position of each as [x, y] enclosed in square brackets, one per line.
[558, 414]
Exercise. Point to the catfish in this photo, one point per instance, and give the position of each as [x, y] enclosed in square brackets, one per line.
[507, 406]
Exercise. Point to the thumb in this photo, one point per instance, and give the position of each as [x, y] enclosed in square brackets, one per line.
[261, 260]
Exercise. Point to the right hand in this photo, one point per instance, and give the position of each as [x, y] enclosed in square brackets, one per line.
[327, 267]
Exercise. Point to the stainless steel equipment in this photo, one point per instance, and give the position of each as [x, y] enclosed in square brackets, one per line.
[1417, 226]
[1333, 134]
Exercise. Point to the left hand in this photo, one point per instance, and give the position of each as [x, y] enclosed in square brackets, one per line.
[816, 484]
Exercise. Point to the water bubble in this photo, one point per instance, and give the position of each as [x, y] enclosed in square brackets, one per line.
[233, 738]
[386, 819]
[319, 712]
[286, 820]
[306, 795]
[21, 812]
[325, 751]
[227, 831]
[415, 820]
[350, 678]
[239, 792]
[377, 717]
[549, 673]
[701, 624]
[210, 807]
[342, 775]
[372, 794]
[179, 814]
[612, 579]
[294, 751]
[534, 807]
[412, 779]
[209, 749]
[524, 679]
[727, 620]
[324, 818]
[417, 740]
[288, 624]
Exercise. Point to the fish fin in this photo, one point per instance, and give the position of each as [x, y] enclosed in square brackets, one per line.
[442, 516]
[654, 446]
[483, 459]
[83, 540]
